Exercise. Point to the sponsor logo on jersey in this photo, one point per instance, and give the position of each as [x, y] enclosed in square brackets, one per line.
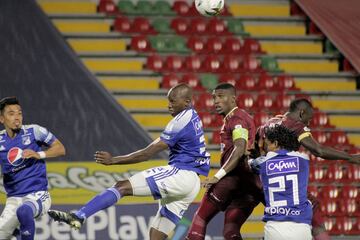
[286, 165]
[14, 156]
[197, 125]
[282, 211]
[26, 140]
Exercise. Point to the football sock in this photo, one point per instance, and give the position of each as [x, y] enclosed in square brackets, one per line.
[101, 201]
[25, 215]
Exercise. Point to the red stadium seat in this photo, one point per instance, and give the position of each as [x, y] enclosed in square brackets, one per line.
[142, 25]
[198, 26]
[193, 12]
[353, 173]
[316, 173]
[349, 207]
[180, 25]
[260, 118]
[338, 138]
[251, 64]
[337, 226]
[330, 207]
[216, 137]
[155, 63]
[140, 44]
[181, 7]
[232, 45]
[122, 24]
[320, 120]
[193, 81]
[228, 78]
[170, 80]
[212, 64]
[285, 82]
[319, 136]
[216, 26]
[313, 190]
[196, 44]
[231, 63]
[174, 63]
[204, 102]
[282, 102]
[265, 102]
[246, 101]
[193, 63]
[329, 192]
[266, 82]
[108, 7]
[213, 45]
[252, 46]
[334, 173]
[349, 191]
[246, 83]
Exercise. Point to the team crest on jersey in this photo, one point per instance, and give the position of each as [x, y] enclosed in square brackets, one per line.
[26, 140]
[14, 156]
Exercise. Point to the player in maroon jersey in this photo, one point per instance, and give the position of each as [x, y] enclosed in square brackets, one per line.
[234, 188]
[297, 119]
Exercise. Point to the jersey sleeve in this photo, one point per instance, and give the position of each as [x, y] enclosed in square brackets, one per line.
[175, 129]
[301, 131]
[43, 135]
[239, 129]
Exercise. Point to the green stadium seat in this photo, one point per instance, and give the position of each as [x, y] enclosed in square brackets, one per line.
[163, 8]
[330, 48]
[145, 8]
[236, 27]
[126, 6]
[209, 81]
[162, 26]
[177, 44]
[269, 64]
[158, 43]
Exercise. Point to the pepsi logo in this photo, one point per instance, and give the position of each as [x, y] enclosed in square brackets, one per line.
[14, 156]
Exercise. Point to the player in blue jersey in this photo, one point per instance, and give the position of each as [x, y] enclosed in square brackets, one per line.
[175, 185]
[22, 161]
[284, 173]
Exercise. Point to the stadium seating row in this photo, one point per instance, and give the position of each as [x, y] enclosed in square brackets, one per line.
[212, 64]
[196, 44]
[334, 173]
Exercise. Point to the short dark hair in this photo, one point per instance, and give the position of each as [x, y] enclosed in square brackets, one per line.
[295, 104]
[8, 101]
[226, 86]
[285, 137]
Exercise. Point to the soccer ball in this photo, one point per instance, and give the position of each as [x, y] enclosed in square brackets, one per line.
[209, 8]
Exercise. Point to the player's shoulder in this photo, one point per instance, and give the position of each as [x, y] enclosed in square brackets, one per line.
[2, 133]
[34, 127]
[298, 154]
[181, 120]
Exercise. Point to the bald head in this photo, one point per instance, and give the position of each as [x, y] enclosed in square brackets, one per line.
[182, 91]
[179, 98]
[300, 104]
[301, 110]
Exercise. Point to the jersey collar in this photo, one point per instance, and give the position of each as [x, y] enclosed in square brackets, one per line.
[232, 110]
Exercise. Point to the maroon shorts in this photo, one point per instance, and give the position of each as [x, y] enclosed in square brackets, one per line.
[237, 191]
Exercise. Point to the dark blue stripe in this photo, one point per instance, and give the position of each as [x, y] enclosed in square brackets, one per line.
[169, 215]
[153, 188]
[165, 175]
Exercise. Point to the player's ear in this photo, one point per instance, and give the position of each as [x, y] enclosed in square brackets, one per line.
[276, 143]
[1, 119]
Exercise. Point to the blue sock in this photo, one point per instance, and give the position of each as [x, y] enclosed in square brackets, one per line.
[25, 214]
[101, 201]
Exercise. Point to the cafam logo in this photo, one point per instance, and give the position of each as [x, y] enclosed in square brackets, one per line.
[14, 156]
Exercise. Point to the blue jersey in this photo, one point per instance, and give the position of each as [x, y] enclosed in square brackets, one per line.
[185, 137]
[285, 176]
[23, 176]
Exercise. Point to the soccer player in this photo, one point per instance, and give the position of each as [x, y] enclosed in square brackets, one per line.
[22, 162]
[284, 173]
[231, 188]
[175, 185]
[297, 119]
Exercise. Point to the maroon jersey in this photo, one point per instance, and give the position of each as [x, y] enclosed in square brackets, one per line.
[236, 122]
[299, 128]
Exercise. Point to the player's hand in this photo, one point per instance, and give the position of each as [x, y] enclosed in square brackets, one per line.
[355, 159]
[28, 153]
[207, 183]
[103, 158]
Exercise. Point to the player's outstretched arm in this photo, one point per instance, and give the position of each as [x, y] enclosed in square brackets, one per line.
[327, 152]
[139, 156]
[56, 149]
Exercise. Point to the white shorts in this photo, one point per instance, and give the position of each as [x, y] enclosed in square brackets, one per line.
[287, 231]
[41, 202]
[175, 189]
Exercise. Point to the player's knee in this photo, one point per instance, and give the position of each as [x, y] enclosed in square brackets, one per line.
[232, 232]
[124, 187]
[24, 213]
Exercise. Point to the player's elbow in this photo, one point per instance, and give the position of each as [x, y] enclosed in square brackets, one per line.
[317, 151]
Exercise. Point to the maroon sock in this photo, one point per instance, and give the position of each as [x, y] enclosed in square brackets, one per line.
[206, 211]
